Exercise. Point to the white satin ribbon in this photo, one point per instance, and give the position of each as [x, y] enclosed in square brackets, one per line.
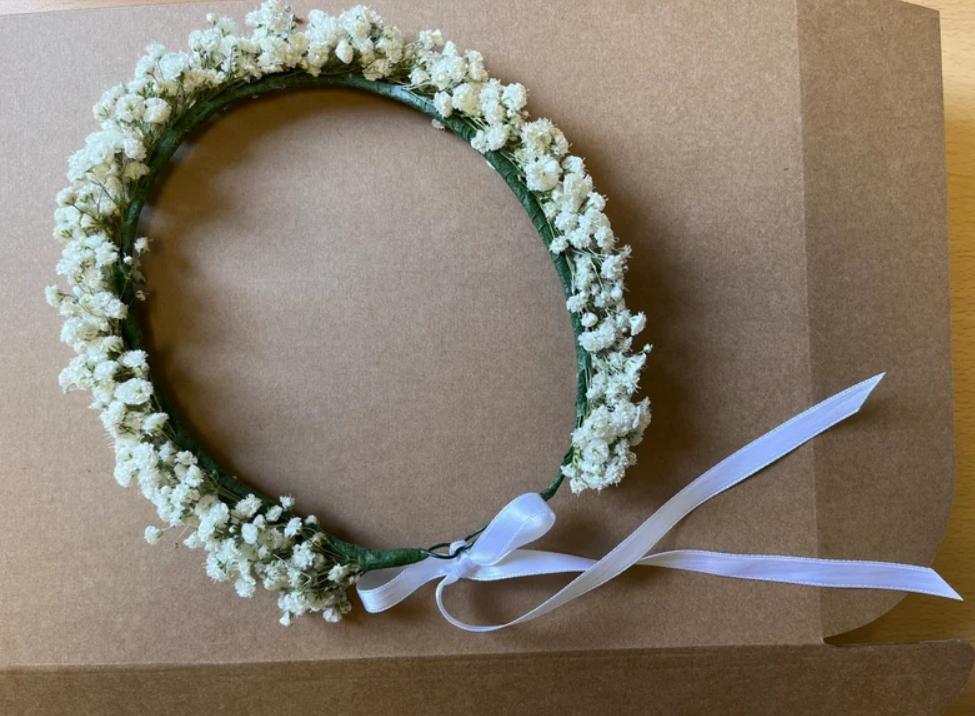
[499, 552]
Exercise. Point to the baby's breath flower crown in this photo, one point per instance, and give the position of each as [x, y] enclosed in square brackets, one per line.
[250, 537]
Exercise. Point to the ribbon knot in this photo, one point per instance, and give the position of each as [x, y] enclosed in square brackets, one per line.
[461, 564]
[499, 552]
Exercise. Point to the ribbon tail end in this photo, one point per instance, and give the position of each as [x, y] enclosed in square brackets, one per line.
[938, 587]
[864, 389]
[952, 594]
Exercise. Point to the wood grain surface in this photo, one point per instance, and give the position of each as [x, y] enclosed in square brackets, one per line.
[916, 618]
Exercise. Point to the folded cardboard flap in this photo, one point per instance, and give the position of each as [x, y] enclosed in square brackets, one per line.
[876, 222]
[350, 307]
[890, 680]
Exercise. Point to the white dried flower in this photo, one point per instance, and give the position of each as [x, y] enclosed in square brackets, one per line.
[247, 507]
[135, 391]
[514, 97]
[157, 110]
[302, 556]
[249, 532]
[153, 535]
[339, 573]
[245, 587]
[344, 51]
[137, 361]
[542, 174]
[293, 527]
[637, 324]
[443, 103]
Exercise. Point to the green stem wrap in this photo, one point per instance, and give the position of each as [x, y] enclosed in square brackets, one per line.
[169, 142]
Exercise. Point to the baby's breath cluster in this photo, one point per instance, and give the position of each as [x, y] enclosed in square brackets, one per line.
[613, 423]
[251, 539]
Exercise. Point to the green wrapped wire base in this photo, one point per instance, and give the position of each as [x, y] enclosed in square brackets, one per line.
[230, 486]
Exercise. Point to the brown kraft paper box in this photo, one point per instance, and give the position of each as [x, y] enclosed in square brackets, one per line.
[350, 307]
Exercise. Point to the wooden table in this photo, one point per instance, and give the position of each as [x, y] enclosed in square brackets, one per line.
[916, 618]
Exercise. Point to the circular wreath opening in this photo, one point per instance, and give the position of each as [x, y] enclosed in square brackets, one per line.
[250, 537]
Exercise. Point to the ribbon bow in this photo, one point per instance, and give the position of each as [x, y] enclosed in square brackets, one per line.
[499, 552]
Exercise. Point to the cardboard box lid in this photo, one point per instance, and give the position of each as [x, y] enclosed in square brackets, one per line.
[814, 680]
[351, 308]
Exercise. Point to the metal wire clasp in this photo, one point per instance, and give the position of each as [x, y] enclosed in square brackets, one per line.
[454, 548]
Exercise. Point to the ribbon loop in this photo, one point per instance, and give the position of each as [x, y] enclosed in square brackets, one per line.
[499, 552]
[522, 521]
